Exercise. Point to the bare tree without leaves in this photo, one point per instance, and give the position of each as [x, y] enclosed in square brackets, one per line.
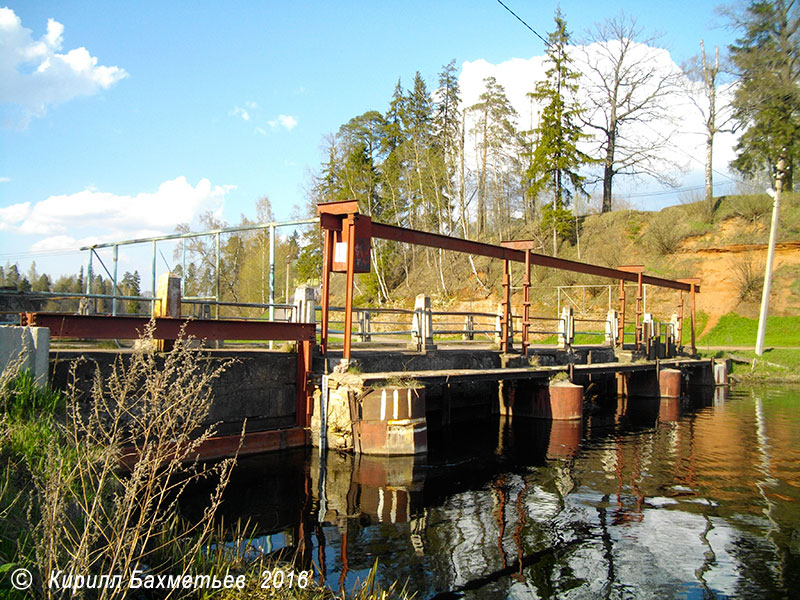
[717, 119]
[627, 87]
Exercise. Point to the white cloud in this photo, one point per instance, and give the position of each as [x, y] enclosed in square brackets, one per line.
[240, 112]
[288, 122]
[246, 113]
[5, 179]
[104, 216]
[61, 242]
[34, 74]
[13, 214]
[249, 113]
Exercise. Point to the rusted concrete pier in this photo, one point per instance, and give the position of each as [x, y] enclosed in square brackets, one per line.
[390, 412]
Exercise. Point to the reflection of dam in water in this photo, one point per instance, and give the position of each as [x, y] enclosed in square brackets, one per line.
[645, 497]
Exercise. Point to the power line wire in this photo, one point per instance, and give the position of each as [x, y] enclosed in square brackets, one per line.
[546, 43]
[35, 253]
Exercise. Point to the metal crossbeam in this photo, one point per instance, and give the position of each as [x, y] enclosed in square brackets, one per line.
[513, 250]
[108, 327]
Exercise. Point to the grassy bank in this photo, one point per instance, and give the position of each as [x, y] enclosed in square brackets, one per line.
[735, 330]
[779, 365]
[734, 337]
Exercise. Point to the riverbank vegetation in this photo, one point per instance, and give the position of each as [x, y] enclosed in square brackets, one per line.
[69, 508]
[776, 365]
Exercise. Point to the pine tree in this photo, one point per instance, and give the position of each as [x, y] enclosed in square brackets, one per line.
[767, 100]
[130, 286]
[556, 158]
[417, 121]
[494, 129]
[392, 168]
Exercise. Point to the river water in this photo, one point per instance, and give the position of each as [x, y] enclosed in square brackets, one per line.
[698, 498]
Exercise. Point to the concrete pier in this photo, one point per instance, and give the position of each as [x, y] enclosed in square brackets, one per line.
[391, 412]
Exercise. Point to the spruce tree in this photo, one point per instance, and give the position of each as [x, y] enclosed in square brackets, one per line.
[556, 159]
[767, 100]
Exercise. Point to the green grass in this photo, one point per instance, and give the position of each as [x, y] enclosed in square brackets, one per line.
[776, 364]
[24, 400]
[701, 320]
[734, 330]
[29, 413]
[27, 430]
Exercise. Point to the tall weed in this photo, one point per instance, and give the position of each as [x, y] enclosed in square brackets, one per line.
[82, 513]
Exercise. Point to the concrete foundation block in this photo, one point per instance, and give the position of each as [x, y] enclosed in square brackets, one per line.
[393, 403]
[566, 401]
[407, 436]
[29, 348]
[669, 383]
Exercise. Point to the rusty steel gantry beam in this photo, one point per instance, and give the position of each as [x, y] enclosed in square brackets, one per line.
[342, 216]
[108, 327]
[111, 327]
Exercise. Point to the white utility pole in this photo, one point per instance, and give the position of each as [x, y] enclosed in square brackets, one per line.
[773, 232]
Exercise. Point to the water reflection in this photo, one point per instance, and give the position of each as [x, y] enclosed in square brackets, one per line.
[695, 497]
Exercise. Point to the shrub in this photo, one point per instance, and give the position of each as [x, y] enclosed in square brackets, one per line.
[665, 232]
[748, 272]
[751, 207]
[699, 210]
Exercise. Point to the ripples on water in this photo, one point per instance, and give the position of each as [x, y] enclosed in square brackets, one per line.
[697, 499]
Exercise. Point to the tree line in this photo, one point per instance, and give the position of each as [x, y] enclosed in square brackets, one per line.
[409, 165]
[430, 162]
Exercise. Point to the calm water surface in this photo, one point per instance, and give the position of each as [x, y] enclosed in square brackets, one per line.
[698, 498]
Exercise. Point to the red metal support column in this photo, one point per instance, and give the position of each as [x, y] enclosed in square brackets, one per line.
[694, 349]
[621, 314]
[526, 303]
[303, 405]
[350, 223]
[693, 283]
[639, 312]
[327, 265]
[638, 270]
[505, 330]
[680, 320]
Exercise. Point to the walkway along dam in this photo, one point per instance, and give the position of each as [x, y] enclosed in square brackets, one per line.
[379, 390]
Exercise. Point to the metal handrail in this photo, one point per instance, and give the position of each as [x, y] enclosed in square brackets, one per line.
[370, 322]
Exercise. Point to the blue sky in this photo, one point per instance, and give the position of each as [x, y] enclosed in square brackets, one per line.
[164, 104]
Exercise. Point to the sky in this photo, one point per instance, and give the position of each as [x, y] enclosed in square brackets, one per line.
[122, 119]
